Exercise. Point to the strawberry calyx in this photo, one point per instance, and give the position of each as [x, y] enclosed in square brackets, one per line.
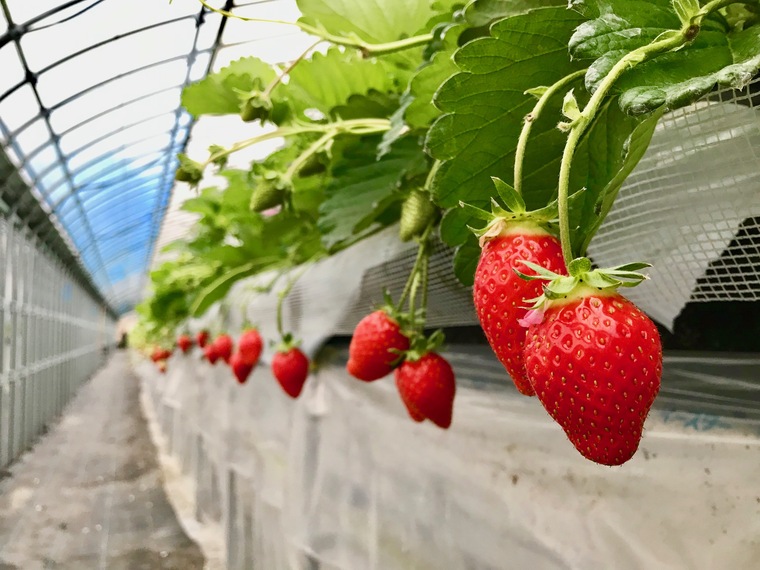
[582, 281]
[420, 345]
[188, 170]
[501, 219]
[287, 343]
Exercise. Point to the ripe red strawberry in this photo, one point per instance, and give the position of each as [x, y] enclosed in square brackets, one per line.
[223, 347]
[240, 368]
[370, 354]
[499, 293]
[202, 338]
[414, 413]
[211, 354]
[157, 354]
[184, 342]
[291, 369]
[249, 346]
[427, 387]
[595, 363]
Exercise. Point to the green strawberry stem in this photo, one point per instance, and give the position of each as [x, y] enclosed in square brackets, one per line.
[416, 267]
[352, 127]
[580, 120]
[522, 143]
[304, 157]
[420, 283]
[350, 41]
[277, 80]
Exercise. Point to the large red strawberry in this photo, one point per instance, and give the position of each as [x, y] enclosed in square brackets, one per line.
[427, 387]
[240, 368]
[499, 293]
[184, 342]
[223, 347]
[202, 338]
[249, 346]
[595, 362]
[375, 347]
[291, 368]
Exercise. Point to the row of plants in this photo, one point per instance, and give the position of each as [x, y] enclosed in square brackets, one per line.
[504, 129]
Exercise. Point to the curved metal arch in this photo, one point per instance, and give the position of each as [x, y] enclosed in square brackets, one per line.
[116, 255]
[83, 185]
[115, 38]
[154, 187]
[92, 143]
[109, 245]
[56, 185]
[131, 174]
[133, 193]
[103, 216]
[111, 225]
[119, 162]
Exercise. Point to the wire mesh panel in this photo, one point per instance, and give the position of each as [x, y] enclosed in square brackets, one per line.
[54, 336]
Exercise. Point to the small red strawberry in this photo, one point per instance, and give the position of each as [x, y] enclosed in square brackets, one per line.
[414, 413]
[291, 368]
[595, 361]
[240, 368]
[161, 365]
[157, 354]
[427, 387]
[202, 338]
[184, 342]
[249, 346]
[376, 347]
[223, 346]
[211, 354]
[498, 292]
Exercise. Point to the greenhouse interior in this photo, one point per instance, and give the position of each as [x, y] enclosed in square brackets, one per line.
[380, 284]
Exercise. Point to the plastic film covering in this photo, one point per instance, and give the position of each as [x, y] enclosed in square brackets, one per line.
[342, 479]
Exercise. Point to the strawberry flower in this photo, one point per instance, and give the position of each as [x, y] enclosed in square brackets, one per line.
[532, 317]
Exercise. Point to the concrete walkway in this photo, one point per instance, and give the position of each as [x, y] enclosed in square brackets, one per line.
[89, 496]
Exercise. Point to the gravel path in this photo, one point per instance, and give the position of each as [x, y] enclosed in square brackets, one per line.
[89, 495]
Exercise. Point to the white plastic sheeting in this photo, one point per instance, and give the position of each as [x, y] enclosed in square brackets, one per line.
[342, 479]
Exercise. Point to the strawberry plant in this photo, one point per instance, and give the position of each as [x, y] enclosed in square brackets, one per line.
[405, 112]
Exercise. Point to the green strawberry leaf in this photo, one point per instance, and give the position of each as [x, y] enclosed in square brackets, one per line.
[466, 259]
[322, 82]
[359, 185]
[216, 290]
[483, 12]
[218, 93]
[456, 223]
[718, 56]
[374, 21]
[485, 103]
[420, 111]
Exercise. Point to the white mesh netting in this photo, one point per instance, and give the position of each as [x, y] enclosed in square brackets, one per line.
[692, 208]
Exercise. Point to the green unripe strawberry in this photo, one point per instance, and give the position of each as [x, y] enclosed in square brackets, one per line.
[257, 107]
[270, 191]
[188, 171]
[416, 214]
